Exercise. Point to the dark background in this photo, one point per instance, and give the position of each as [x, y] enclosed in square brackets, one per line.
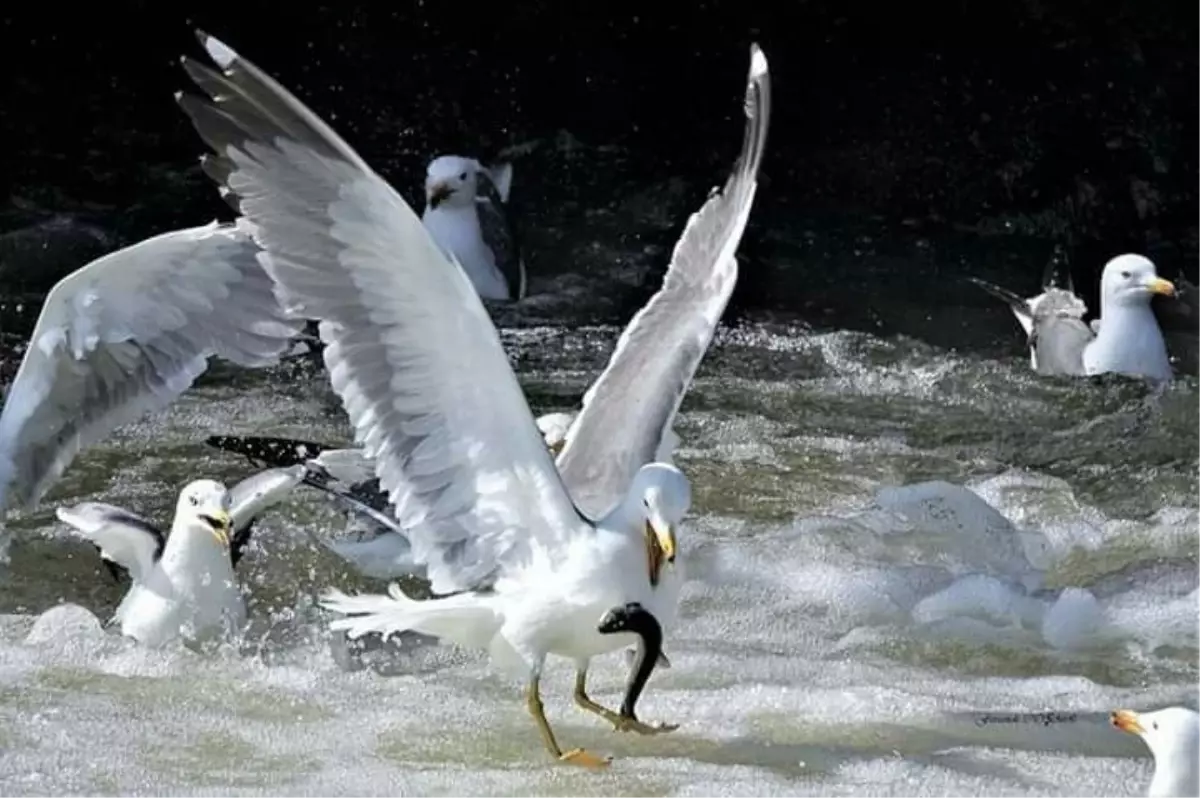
[943, 131]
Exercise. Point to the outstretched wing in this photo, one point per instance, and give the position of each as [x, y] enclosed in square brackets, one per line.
[630, 408]
[127, 334]
[498, 226]
[410, 349]
[126, 539]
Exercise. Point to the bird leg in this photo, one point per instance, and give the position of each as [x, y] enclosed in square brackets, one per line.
[620, 720]
[576, 756]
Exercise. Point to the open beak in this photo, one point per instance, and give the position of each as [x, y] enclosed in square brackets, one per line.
[1126, 719]
[1160, 286]
[660, 545]
[220, 523]
[439, 193]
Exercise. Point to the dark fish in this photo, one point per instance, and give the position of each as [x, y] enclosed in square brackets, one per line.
[633, 617]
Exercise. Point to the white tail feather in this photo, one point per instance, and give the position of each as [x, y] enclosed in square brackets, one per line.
[465, 619]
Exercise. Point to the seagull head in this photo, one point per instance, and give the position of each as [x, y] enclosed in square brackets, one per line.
[663, 495]
[451, 181]
[1173, 737]
[205, 503]
[1132, 280]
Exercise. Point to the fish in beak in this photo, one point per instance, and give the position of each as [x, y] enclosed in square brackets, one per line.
[220, 523]
[660, 545]
[1160, 286]
[438, 193]
[1126, 719]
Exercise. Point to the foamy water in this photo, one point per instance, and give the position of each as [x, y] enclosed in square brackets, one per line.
[911, 573]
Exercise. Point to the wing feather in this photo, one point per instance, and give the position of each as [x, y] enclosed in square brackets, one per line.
[409, 347]
[126, 335]
[631, 406]
[122, 537]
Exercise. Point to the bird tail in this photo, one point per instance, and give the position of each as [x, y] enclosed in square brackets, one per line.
[464, 618]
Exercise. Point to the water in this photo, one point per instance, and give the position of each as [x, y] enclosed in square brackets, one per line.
[852, 626]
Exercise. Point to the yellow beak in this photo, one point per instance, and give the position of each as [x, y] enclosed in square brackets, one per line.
[666, 538]
[1126, 719]
[1160, 286]
[221, 533]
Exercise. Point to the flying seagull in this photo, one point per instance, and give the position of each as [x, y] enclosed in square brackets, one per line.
[433, 401]
[466, 213]
[124, 336]
[1125, 339]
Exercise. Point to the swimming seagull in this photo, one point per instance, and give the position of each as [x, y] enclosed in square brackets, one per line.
[183, 584]
[249, 499]
[435, 405]
[1173, 737]
[125, 335]
[466, 213]
[1126, 339]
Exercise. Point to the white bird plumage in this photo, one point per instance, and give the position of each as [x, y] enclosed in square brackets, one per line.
[183, 583]
[436, 407]
[1173, 737]
[125, 335]
[465, 214]
[1125, 339]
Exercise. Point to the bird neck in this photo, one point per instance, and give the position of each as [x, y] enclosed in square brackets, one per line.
[193, 543]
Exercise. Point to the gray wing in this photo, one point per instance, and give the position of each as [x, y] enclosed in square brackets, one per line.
[410, 348]
[499, 229]
[126, 335]
[631, 406]
[254, 495]
[122, 537]
[1058, 343]
[1053, 324]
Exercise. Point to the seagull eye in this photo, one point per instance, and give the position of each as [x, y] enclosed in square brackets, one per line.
[646, 503]
[463, 176]
[1125, 275]
[1154, 725]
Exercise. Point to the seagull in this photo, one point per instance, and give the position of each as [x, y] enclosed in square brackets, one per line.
[520, 567]
[1126, 339]
[125, 335]
[1173, 737]
[249, 499]
[465, 212]
[183, 584]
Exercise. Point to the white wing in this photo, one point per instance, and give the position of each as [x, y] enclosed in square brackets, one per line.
[125, 335]
[253, 495]
[630, 408]
[127, 539]
[349, 466]
[409, 347]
